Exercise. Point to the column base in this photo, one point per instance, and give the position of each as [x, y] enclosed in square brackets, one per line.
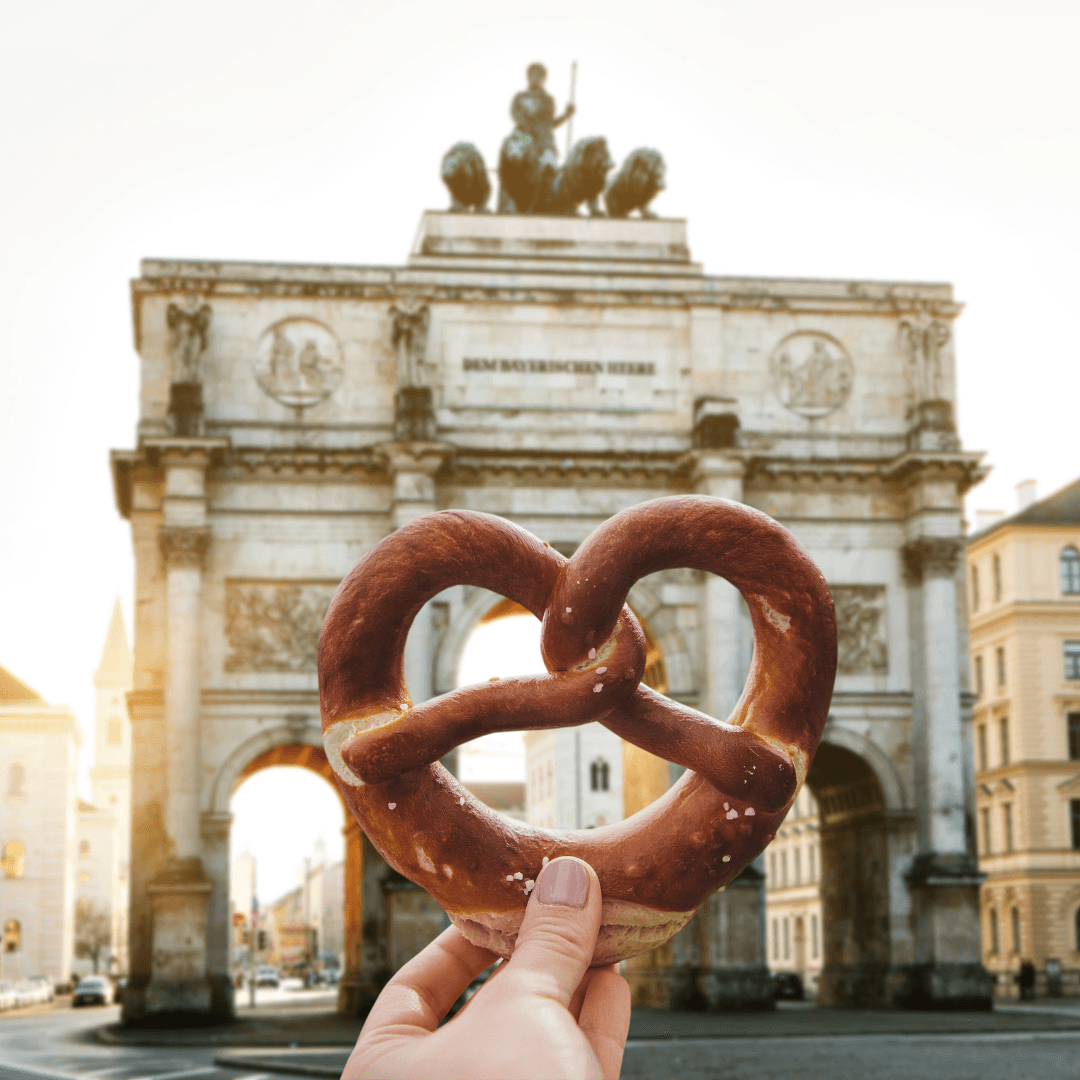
[357, 994]
[941, 986]
[697, 989]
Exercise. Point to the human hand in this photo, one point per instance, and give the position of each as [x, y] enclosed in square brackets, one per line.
[543, 1014]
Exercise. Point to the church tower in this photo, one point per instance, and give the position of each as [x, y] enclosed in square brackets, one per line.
[110, 775]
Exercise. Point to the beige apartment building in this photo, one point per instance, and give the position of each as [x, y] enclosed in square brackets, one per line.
[1024, 595]
[793, 893]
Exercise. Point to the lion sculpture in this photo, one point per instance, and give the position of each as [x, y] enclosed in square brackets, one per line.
[636, 184]
[466, 176]
[530, 181]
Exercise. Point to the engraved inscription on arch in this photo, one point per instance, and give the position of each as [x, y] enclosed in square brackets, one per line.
[860, 628]
[274, 625]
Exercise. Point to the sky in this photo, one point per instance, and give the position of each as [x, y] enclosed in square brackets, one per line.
[901, 141]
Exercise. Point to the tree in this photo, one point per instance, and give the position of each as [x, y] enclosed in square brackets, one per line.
[93, 934]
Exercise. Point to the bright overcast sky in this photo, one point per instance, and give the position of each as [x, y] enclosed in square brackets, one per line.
[862, 139]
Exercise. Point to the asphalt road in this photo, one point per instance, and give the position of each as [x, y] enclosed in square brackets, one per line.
[57, 1044]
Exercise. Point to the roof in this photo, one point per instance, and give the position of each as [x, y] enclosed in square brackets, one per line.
[115, 666]
[1061, 508]
[13, 690]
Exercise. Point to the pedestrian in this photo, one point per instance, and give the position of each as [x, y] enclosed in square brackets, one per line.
[1026, 981]
[543, 1014]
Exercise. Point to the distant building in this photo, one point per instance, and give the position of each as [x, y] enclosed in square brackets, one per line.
[104, 825]
[39, 759]
[306, 925]
[574, 777]
[1024, 595]
[793, 893]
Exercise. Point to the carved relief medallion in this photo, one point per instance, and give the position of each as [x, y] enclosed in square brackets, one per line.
[298, 362]
[860, 629]
[274, 625]
[811, 373]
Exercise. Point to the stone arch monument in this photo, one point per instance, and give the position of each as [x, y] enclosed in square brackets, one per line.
[559, 369]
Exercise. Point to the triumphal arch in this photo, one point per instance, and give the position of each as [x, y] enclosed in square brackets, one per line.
[552, 370]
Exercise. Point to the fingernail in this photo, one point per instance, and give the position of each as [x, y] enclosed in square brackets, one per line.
[565, 882]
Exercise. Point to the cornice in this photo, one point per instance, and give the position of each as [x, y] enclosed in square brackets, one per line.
[914, 466]
[481, 462]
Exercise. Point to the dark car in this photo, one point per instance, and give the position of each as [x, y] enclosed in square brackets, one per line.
[93, 990]
[787, 986]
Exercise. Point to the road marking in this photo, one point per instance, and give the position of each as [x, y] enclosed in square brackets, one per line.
[202, 1070]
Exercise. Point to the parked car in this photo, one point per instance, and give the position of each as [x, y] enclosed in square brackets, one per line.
[267, 976]
[93, 990]
[46, 984]
[8, 997]
[787, 986]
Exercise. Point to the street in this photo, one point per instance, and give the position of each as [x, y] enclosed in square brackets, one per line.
[1016, 1042]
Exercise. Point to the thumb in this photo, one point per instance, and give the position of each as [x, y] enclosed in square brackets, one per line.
[558, 933]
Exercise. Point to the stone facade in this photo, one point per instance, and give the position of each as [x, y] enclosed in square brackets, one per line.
[553, 371]
[1024, 590]
[39, 759]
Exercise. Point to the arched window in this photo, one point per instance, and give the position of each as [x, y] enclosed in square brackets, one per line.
[114, 730]
[1016, 940]
[997, 578]
[17, 779]
[974, 588]
[12, 935]
[14, 861]
[1077, 929]
[84, 848]
[1070, 571]
[598, 775]
[995, 939]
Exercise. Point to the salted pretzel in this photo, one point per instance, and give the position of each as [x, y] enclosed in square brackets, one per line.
[655, 868]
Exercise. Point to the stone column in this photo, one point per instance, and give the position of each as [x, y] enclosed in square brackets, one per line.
[944, 878]
[352, 989]
[180, 892]
[412, 467]
[215, 856]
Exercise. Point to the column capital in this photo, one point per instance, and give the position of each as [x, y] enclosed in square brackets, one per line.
[716, 472]
[414, 456]
[184, 545]
[932, 556]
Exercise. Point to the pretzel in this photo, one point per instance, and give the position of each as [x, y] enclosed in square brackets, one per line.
[655, 868]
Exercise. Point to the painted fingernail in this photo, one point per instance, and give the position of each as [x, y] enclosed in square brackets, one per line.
[564, 882]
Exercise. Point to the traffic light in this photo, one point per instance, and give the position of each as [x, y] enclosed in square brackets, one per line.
[263, 944]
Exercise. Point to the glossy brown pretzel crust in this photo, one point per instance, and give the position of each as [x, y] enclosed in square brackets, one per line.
[656, 867]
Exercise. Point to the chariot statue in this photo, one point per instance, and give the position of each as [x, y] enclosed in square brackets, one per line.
[531, 179]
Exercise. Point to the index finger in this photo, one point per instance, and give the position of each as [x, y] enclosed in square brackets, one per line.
[420, 993]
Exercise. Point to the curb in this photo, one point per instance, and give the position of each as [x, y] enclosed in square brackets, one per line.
[272, 1059]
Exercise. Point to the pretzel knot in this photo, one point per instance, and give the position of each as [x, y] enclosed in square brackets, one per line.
[656, 867]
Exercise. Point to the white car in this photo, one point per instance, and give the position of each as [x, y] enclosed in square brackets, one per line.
[8, 998]
[93, 990]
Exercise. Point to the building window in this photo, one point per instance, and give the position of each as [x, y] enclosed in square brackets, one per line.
[1077, 921]
[598, 775]
[811, 858]
[1070, 571]
[114, 730]
[1016, 941]
[84, 848]
[984, 757]
[995, 943]
[997, 579]
[1073, 722]
[978, 676]
[974, 588]
[1000, 655]
[14, 861]
[1072, 659]
[12, 935]
[1006, 813]
[783, 869]
[798, 866]
[17, 779]
[984, 813]
[773, 879]
[775, 940]
[1074, 807]
[787, 939]
[1003, 728]
[814, 935]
